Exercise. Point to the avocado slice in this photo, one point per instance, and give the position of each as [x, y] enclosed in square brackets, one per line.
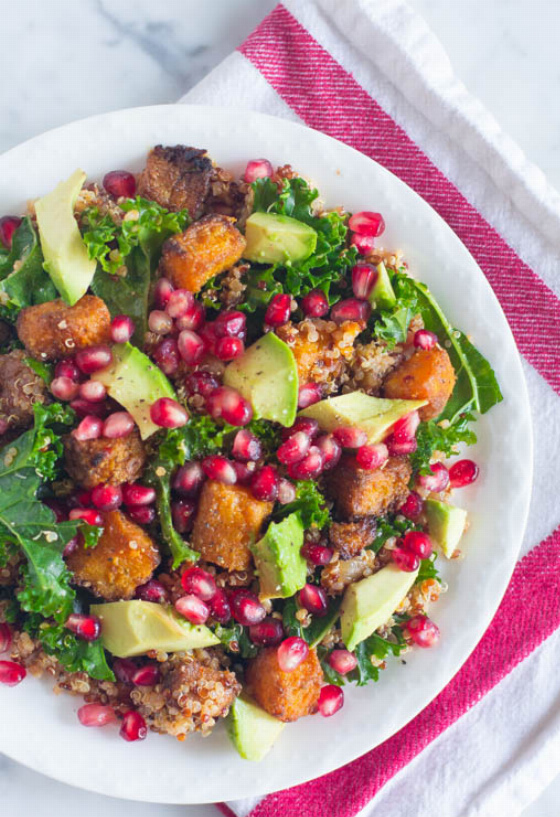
[446, 524]
[251, 729]
[135, 382]
[281, 568]
[273, 239]
[382, 296]
[131, 628]
[266, 375]
[66, 256]
[369, 603]
[374, 415]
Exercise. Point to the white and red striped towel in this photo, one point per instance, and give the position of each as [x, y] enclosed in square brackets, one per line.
[371, 74]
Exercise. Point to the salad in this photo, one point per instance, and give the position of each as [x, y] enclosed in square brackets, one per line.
[226, 420]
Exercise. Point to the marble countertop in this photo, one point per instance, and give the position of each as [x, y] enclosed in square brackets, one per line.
[64, 60]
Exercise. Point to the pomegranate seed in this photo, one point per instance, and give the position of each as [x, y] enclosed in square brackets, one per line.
[366, 223]
[314, 599]
[85, 627]
[72, 545]
[405, 428]
[135, 494]
[160, 322]
[350, 436]
[230, 406]
[143, 515]
[331, 699]
[343, 661]
[423, 631]
[351, 309]
[291, 653]
[120, 184]
[8, 226]
[286, 491]
[245, 471]
[180, 301]
[133, 727]
[363, 243]
[418, 543]
[202, 383]
[11, 673]
[308, 425]
[437, 481]
[246, 446]
[309, 467]
[278, 310]
[162, 292]
[294, 448]
[219, 469]
[220, 607]
[58, 509]
[370, 457]
[84, 408]
[122, 329]
[193, 609]
[168, 413]
[4, 426]
[330, 450]
[166, 355]
[153, 591]
[67, 368]
[182, 511]
[193, 318]
[267, 633]
[94, 359]
[423, 339]
[106, 497]
[5, 638]
[62, 388]
[199, 582]
[246, 608]
[309, 394]
[124, 669]
[208, 335]
[188, 479]
[463, 472]
[96, 715]
[81, 499]
[264, 484]
[400, 449]
[257, 169]
[191, 347]
[315, 304]
[318, 555]
[231, 324]
[93, 391]
[117, 425]
[413, 506]
[88, 515]
[364, 277]
[146, 676]
[405, 559]
[229, 348]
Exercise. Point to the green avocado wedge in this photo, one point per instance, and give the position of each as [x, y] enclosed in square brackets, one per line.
[130, 628]
[135, 382]
[369, 603]
[65, 253]
[252, 730]
[266, 376]
[275, 239]
[281, 568]
[382, 295]
[446, 524]
[374, 415]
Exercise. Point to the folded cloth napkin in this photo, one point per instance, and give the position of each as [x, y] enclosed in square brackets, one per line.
[370, 73]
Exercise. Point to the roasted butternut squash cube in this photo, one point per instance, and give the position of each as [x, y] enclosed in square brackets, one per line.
[54, 330]
[228, 520]
[349, 538]
[321, 348]
[358, 493]
[427, 375]
[285, 695]
[177, 178]
[123, 559]
[206, 248]
[92, 462]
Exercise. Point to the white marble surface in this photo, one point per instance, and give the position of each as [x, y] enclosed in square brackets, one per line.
[62, 60]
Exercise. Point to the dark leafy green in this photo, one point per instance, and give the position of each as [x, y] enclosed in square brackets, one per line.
[75, 654]
[319, 626]
[428, 570]
[29, 284]
[235, 639]
[44, 370]
[375, 647]
[432, 437]
[389, 526]
[50, 422]
[309, 505]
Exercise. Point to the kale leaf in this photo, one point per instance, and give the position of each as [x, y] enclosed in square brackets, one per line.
[309, 504]
[428, 570]
[375, 647]
[432, 437]
[29, 284]
[319, 626]
[235, 639]
[389, 526]
[75, 654]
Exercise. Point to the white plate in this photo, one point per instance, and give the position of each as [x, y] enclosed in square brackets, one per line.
[41, 730]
